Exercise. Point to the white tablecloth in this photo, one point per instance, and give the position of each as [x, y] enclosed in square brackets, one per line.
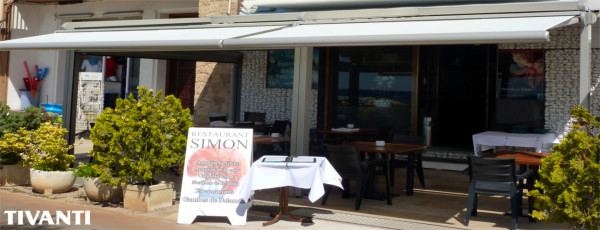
[490, 139]
[263, 175]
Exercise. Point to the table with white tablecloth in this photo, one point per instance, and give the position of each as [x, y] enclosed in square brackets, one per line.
[308, 173]
[490, 139]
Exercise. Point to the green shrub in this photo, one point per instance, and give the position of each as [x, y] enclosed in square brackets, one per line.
[140, 137]
[30, 119]
[11, 146]
[47, 149]
[87, 170]
[570, 177]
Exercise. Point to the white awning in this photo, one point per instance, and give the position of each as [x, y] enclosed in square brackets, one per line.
[312, 34]
[465, 31]
[175, 39]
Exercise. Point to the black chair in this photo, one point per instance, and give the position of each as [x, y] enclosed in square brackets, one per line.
[495, 177]
[255, 116]
[279, 126]
[401, 161]
[346, 161]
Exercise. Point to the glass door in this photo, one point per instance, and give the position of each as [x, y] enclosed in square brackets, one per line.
[375, 88]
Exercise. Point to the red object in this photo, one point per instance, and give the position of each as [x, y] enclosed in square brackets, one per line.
[27, 83]
[110, 67]
[35, 83]
[28, 74]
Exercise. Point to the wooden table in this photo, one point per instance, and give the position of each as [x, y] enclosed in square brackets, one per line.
[521, 157]
[393, 148]
[303, 172]
[268, 140]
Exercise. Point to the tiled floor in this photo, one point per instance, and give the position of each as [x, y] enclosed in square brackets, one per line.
[441, 205]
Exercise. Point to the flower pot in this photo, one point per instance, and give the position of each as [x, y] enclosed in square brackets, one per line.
[51, 181]
[95, 190]
[147, 198]
[14, 175]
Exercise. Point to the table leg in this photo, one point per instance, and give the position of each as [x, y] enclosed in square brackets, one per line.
[410, 174]
[283, 206]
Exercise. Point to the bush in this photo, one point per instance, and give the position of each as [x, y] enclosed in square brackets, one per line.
[140, 137]
[46, 148]
[87, 170]
[30, 120]
[11, 146]
[570, 177]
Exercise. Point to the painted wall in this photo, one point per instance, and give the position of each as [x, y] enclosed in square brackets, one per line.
[31, 20]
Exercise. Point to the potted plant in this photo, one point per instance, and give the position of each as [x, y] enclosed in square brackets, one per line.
[569, 178]
[11, 170]
[137, 140]
[12, 144]
[46, 154]
[94, 189]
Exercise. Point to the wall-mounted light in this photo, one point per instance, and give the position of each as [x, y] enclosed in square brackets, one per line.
[74, 16]
[120, 14]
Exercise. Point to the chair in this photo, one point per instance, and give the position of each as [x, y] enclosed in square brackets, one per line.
[346, 161]
[258, 120]
[279, 126]
[495, 177]
[255, 116]
[402, 161]
[217, 116]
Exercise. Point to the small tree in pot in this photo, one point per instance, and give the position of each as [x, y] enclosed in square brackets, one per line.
[47, 154]
[570, 177]
[139, 139]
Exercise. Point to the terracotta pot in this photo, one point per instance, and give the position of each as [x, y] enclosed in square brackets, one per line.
[51, 181]
[95, 190]
[14, 175]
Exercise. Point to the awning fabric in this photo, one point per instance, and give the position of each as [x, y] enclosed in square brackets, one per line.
[237, 37]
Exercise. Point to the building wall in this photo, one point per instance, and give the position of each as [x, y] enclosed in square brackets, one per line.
[561, 68]
[37, 19]
[562, 76]
[213, 80]
[256, 97]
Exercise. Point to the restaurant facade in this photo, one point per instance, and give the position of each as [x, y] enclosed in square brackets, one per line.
[436, 69]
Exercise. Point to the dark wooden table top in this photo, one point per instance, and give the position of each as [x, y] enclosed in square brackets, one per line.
[268, 140]
[389, 148]
[360, 130]
[521, 157]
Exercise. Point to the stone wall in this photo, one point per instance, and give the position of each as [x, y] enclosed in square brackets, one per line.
[562, 76]
[256, 97]
[213, 80]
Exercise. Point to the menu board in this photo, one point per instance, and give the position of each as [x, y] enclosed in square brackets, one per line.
[216, 163]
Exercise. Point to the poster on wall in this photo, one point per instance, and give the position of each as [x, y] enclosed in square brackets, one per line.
[520, 74]
[216, 163]
[280, 69]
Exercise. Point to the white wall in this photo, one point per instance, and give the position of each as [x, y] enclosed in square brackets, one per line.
[31, 20]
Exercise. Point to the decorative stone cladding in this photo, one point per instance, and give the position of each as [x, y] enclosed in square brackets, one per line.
[562, 76]
[256, 97]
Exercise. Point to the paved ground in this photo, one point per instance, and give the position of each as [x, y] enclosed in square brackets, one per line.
[111, 218]
[442, 205]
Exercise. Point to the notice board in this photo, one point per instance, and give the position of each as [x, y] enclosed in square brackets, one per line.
[216, 163]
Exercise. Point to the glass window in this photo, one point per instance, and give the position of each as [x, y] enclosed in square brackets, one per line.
[374, 88]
